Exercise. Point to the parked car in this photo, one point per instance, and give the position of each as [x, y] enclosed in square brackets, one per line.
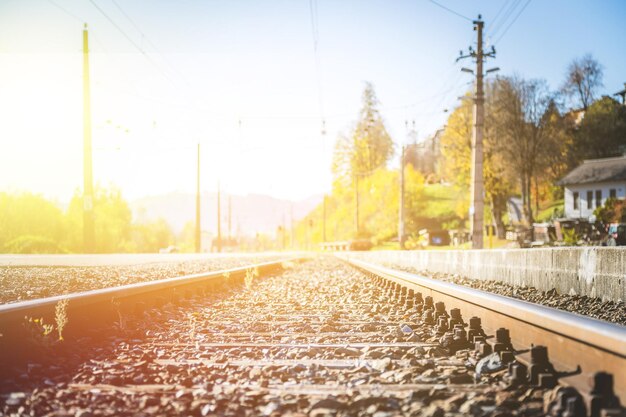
[616, 234]
[169, 249]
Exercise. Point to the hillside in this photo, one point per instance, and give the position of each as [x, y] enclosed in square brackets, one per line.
[251, 213]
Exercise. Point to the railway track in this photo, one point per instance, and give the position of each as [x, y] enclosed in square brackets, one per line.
[321, 338]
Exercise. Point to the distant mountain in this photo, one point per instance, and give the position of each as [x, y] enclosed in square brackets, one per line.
[250, 214]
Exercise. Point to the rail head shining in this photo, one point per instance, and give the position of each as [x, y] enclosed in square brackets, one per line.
[18, 310]
[602, 335]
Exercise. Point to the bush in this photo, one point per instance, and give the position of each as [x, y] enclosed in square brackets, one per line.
[30, 244]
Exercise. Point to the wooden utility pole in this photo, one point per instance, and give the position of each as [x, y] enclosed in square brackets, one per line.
[198, 233]
[230, 213]
[324, 219]
[293, 231]
[356, 206]
[477, 189]
[219, 219]
[401, 203]
[89, 234]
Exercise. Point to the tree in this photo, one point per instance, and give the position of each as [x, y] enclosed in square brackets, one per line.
[522, 125]
[112, 218]
[457, 148]
[368, 146]
[602, 132]
[150, 236]
[555, 156]
[583, 79]
[31, 224]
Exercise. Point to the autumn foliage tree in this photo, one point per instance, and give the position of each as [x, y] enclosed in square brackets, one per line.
[30, 223]
[368, 146]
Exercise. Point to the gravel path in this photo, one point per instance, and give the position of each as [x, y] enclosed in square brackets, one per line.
[321, 339]
[611, 311]
[19, 283]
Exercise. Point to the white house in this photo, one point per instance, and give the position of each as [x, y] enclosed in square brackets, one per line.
[591, 183]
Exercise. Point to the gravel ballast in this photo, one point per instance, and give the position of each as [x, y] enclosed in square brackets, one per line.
[611, 311]
[321, 339]
[19, 283]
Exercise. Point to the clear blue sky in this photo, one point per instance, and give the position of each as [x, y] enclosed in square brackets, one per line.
[193, 69]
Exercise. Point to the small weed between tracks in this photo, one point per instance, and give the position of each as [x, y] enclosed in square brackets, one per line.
[120, 323]
[60, 316]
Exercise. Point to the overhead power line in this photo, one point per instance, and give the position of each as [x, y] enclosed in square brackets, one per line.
[172, 67]
[119, 28]
[132, 42]
[316, 57]
[450, 10]
[495, 18]
[513, 21]
[496, 26]
[79, 20]
[67, 12]
[132, 22]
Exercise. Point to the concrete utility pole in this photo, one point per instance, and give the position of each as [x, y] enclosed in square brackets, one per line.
[89, 234]
[401, 204]
[219, 219]
[198, 234]
[477, 189]
[477, 183]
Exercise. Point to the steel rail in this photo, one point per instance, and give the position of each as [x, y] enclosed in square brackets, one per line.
[572, 340]
[90, 310]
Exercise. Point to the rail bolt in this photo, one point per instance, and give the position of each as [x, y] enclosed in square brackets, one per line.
[483, 349]
[475, 329]
[568, 402]
[418, 298]
[440, 310]
[455, 317]
[519, 374]
[429, 317]
[547, 380]
[428, 303]
[539, 364]
[507, 356]
[602, 395]
[442, 325]
[503, 340]
[460, 334]
[575, 407]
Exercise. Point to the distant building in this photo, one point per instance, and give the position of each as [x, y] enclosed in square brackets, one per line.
[425, 156]
[591, 183]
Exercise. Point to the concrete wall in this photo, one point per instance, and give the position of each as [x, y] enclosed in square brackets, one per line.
[592, 271]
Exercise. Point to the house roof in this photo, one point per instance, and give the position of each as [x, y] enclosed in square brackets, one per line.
[597, 170]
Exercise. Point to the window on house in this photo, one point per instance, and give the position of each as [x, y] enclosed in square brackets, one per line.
[576, 201]
[612, 193]
[598, 198]
[589, 199]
